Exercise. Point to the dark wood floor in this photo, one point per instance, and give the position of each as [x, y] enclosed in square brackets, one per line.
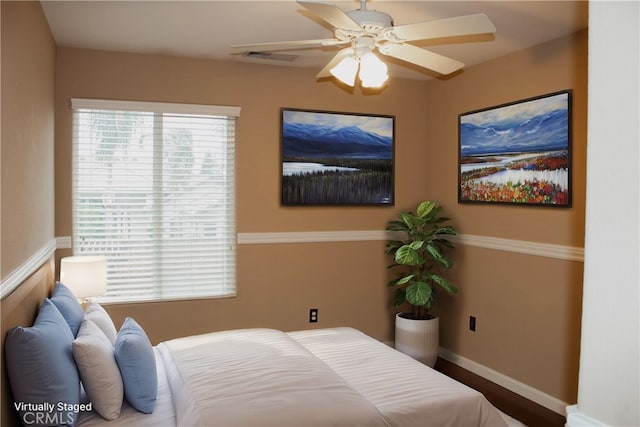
[516, 406]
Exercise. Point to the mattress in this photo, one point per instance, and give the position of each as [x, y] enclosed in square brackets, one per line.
[323, 377]
[406, 392]
[258, 377]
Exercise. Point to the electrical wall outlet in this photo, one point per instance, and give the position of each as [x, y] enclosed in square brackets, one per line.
[63, 242]
[313, 315]
[472, 323]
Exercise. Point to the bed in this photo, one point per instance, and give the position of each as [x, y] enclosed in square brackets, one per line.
[267, 377]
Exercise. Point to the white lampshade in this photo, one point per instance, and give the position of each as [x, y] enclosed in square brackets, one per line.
[373, 72]
[85, 276]
[346, 70]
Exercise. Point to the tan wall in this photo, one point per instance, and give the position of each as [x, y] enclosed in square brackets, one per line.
[528, 308]
[28, 82]
[277, 284]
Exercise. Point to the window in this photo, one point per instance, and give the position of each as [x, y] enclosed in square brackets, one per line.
[154, 191]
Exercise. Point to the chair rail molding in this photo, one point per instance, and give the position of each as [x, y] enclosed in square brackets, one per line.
[20, 274]
[548, 250]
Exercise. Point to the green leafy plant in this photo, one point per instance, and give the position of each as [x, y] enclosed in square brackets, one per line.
[417, 255]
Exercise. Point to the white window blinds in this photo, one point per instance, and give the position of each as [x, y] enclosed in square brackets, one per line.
[154, 191]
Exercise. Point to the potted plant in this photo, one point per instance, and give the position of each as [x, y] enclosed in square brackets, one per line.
[419, 254]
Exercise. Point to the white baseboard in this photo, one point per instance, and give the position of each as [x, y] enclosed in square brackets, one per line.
[520, 388]
[575, 418]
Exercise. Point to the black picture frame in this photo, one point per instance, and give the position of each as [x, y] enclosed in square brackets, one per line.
[517, 153]
[331, 158]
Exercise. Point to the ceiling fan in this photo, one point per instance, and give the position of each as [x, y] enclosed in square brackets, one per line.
[366, 31]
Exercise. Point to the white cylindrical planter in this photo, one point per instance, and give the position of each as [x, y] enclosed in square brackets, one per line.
[418, 339]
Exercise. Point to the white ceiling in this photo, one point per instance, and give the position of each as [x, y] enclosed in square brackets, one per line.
[207, 29]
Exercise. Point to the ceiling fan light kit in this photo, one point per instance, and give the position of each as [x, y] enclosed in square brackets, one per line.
[373, 72]
[346, 70]
[370, 30]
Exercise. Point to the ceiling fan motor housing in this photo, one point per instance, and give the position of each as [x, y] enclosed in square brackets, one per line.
[371, 21]
[363, 45]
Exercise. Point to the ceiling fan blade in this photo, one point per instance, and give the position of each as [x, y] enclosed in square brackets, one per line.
[326, 71]
[450, 27]
[289, 44]
[421, 57]
[331, 14]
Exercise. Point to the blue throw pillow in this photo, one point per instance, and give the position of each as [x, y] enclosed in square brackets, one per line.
[42, 370]
[137, 363]
[69, 306]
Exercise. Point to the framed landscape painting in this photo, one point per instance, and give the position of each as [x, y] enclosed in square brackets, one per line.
[333, 158]
[517, 153]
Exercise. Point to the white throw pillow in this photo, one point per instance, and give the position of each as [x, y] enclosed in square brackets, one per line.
[98, 369]
[98, 315]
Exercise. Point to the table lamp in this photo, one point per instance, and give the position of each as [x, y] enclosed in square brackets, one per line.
[85, 276]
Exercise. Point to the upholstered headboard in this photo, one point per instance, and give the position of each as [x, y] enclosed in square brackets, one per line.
[20, 309]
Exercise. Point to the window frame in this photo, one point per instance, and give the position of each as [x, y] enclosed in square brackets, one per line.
[161, 108]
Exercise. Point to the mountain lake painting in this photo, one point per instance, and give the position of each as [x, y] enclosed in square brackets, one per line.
[517, 153]
[331, 158]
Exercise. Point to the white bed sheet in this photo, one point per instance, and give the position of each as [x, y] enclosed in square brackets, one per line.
[162, 416]
[258, 377]
[406, 392]
[357, 370]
